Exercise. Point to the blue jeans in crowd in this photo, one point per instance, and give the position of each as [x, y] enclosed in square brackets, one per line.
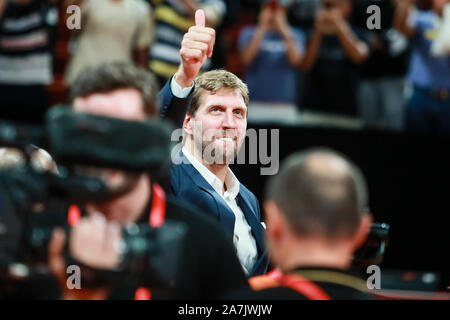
[427, 113]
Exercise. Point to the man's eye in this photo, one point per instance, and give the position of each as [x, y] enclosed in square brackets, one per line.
[239, 112]
[215, 109]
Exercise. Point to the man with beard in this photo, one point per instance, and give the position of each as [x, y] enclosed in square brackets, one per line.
[214, 128]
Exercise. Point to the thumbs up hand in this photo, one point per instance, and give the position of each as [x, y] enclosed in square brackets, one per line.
[196, 47]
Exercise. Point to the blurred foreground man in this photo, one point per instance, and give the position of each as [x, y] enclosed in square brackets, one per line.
[316, 211]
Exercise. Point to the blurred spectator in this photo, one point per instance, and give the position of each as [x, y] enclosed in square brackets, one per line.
[173, 19]
[224, 45]
[112, 30]
[272, 51]
[26, 41]
[381, 91]
[429, 107]
[334, 50]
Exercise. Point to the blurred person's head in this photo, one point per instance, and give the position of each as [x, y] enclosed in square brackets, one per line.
[117, 90]
[316, 210]
[344, 7]
[218, 113]
[133, 92]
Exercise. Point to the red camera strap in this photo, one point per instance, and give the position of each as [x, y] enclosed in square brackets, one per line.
[295, 282]
[157, 211]
[156, 219]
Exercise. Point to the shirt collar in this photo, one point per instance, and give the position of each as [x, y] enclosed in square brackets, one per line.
[231, 182]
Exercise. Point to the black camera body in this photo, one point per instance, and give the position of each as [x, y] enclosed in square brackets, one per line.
[33, 202]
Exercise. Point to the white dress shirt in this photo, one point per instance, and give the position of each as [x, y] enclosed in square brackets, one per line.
[243, 239]
[176, 89]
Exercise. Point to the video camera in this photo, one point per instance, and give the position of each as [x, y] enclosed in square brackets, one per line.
[373, 249]
[28, 193]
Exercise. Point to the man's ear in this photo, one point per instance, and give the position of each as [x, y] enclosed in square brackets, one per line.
[187, 124]
[273, 220]
[363, 230]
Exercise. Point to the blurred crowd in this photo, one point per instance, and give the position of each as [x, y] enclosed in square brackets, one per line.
[385, 63]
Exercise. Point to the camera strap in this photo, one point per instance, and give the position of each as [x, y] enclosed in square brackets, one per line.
[157, 211]
[156, 219]
[295, 282]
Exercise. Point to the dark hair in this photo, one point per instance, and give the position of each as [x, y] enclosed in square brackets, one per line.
[320, 192]
[117, 75]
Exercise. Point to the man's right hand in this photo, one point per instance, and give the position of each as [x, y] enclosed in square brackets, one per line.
[95, 242]
[196, 47]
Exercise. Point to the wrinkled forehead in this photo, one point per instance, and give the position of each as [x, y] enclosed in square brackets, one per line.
[225, 97]
[125, 104]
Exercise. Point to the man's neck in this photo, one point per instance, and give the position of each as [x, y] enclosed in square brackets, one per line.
[128, 207]
[315, 254]
[219, 170]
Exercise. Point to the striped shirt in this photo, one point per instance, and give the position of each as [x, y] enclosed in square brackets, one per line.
[25, 43]
[172, 22]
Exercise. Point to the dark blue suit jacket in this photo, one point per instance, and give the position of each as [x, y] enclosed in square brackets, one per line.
[187, 184]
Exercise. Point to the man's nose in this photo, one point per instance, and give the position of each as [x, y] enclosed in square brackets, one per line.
[229, 121]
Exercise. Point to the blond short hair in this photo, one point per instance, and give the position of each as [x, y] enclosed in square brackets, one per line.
[214, 81]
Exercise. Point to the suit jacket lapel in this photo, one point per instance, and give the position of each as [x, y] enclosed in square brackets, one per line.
[226, 215]
[258, 231]
[255, 224]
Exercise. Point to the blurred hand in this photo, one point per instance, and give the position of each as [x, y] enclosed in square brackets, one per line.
[335, 18]
[196, 47]
[264, 18]
[57, 266]
[322, 23]
[95, 242]
[281, 23]
[56, 262]
[328, 20]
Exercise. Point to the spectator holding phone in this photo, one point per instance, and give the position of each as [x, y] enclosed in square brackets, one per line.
[272, 51]
[334, 51]
[27, 29]
[429, 107]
